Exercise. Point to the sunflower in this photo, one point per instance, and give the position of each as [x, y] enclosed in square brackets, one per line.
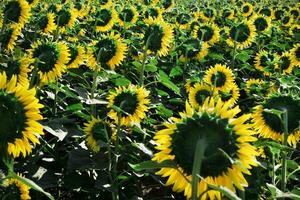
[278, 14]
[81, 9]
[254, 86]
[294, 31]
[17, 12]
[49, 59]
[183, 20]
[269, 125]
[158, 37]
[65, 18]
[32, 3]
[15, 189]
[105, 19]
[9, 37]
[295, 13]
[220, 76]
[77, 56]
[19, 68]
[193, 48]
[168, 5]
[208, 32]
[246, 9]
[152, 13]
[285, 63]
[104, 4]
[20, 113]
[295, 52]
[228, 14]
[198, 93]
[267, 11]
[262, 23]
[266, 62]
[228, 152]
[132, 100]
[241, 35]
[47, 23]
[128, 16]
[230, 96]
[286, 20]
[97, 130]
[110, 50]
[208, 14]
[148, 2]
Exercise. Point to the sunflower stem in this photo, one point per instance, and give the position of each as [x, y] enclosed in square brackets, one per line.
[55, 99]
[33, 79]
[273, 170]
[93, 89]
[142, 70]
[198, 157]
[284, 153]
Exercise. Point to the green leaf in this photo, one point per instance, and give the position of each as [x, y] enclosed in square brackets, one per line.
[60, 134]
[276, 193]
[149, 165]
[74, 107]
[122, 81]
[225, 191]
[176, 71]
[243, 56]
[150, 68]
[216, 56]
[164, 79]
[163, 111]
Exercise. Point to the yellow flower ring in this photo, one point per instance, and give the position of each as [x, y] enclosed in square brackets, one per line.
[19, 118]
[128, 16]
[65, 19]
[104, 4]
[198, 93]
[20, 190]
[17, 12]
[133, 100]
[9, 37]
[168, 5]
[208, 32]
[231, 96]
[266, 62]
[47, 23]
[222, 131]
[105, 19]
[261, 23]
[228, 14]
[152, 13]
[110, 50]
[246, 9]
[198, 52]
[268, 125]
[77, 56]
[183, 21]
[285, 63]
[220, 77]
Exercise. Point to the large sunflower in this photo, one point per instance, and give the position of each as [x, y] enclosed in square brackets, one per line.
[128, 16]
[97, 130]
[65, 19]
[285, 63]
[198, 93]
[158, 37]
[49, 59]
[208, 32]
[77, 56]
[15, 189]
[17, 12]
[19, 116]
[220, 76]
[9, 37]
[266, 62]
[105, 19]
[193, 48]
[246, 9]
[241, 35]
[269, 125]
[109, 50]
[295, 52]
[223, 134]
[19, 68]
[46, 23]
[262, 23]
[132, 101]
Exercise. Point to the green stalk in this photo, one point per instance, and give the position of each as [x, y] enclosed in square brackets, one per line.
[93, 89]
[273, 170]
[284, 153]
[142, 70]
[198, 157]
[55, 99]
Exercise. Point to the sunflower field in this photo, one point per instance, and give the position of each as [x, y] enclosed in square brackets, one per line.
[149, 99]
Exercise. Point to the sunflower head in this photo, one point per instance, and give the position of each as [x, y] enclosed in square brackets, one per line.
[285, 63]
[261, 23]
[230, 96]
[128, 104]
[221, 133]
[294, 31]
[246, 9]
[183, 20]
[255, 87]
[168, 4]
[295, 13]
[15, 189]
[228, 14]
[266, 11]
[158, 37]
[77, 56]
[287, 20]
[105, 19]
[19, 118]
[104, 3]
[278, 14]
[295, 52]
[198, 93]
[17, 11]
[65, 18]
[128, 16]
[269, 125]
[193, 48]
[46, 23]
[266, 62]
[220, 77]
[208, 32]
[8, 38]
[208, 14]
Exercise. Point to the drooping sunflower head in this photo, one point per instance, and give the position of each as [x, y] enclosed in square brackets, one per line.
[221, 134]
[104, 4]
[220, 77]
[109, 50]
[269, 125]
[193, 48]
[285, 63]
[19, 116]
[128, 16]
[261, 23]
[46, 23]
[230, 96]
[105, 19]
[241, 35]
[158, 37]
[266, 62]
[129, 103]
[246, 9]
[228, 14]
[255, 87]
[208, 32]
[9, 37]
[17, 12]
[295, 52]
[18, 68]
[183, 20]
[15, 189]
[168, 5]
[198, 93]
[49, 59]
[77, 56]
[65, 18]
[97, 130]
